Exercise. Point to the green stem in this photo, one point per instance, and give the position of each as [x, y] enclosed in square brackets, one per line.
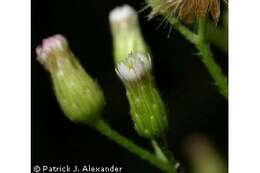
[162, 151]
[158, 151]
[186, 32]
[201, 43]
[104, 128]
[202, 30]
[208, 60]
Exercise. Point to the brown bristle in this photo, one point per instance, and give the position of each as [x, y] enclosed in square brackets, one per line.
[188, 10]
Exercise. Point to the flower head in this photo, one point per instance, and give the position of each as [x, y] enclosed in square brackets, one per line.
[187, 9]
[78, 94]
[126, 32]
[137, 66]
[146, 106]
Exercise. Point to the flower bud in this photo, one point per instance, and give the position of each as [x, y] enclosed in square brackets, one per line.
[126, 33]
[78, 94]
[146, 106]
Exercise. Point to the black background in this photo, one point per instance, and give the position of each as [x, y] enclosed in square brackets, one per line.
[192, 99]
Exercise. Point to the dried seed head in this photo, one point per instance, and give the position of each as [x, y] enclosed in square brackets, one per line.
[187, 10]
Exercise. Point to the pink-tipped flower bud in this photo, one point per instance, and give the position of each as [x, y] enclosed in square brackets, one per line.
[78, 94]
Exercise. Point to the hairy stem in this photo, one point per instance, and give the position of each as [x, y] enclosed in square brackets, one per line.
[186, 32]
[104, 128]
[201, 43]
[208, 59]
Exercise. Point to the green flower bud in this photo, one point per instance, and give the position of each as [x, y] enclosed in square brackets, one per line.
[146, 106]
[78, 94]
[126, 33]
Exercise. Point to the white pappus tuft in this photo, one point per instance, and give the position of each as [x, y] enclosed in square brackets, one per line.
[135, 67]
[122, 13]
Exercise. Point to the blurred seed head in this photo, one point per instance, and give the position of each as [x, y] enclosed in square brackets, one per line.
[187, 10]
[203, 156]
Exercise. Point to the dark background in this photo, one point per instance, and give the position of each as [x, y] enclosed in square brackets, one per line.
[192, 99]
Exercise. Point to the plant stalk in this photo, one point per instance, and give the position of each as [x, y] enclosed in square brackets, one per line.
[186, 32]
[201, 43]
[104, 128]
[162, 151]
[208, 59]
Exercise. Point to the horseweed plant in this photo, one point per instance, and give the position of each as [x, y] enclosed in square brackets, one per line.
[82, 100]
